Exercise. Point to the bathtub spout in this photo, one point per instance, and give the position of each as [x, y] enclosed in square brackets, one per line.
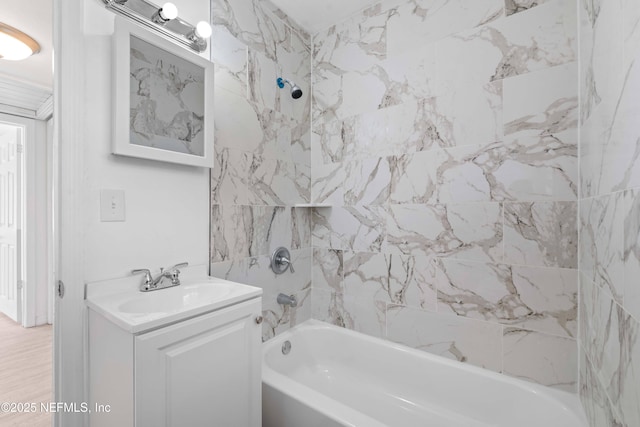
[289, 300]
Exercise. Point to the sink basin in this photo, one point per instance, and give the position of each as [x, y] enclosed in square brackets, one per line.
[174, 299]
[138, 312]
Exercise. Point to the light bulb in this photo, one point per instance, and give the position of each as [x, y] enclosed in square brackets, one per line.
[203, 30]
[168, 11]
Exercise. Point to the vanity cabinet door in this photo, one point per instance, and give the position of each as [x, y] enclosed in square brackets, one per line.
[201, 372]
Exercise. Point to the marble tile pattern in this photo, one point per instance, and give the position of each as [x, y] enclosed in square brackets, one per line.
[389, 278]
[444, 134]
[602, 242]
[518, 320]
[445, 137]
[515, 6]
[470, 231]
[528, 355]
[538, 299]
[256, 271]
[631, 253]
[279, 318]
[263, 155]
[458, 338]
[239, 232]
[612, 349]
[609, 153]
[541, 233]
[358, 228]
[596, 403]
[349, 312]
[609, 211]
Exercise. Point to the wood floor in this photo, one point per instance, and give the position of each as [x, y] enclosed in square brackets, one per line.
[25, 371]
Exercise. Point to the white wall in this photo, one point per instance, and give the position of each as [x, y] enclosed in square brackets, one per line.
[37, 260]
[52, 170]
[166, 205]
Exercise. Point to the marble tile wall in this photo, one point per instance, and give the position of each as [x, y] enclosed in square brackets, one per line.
[263, 154]
[610, 212]
[444, 135]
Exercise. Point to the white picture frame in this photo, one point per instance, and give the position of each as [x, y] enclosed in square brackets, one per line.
[149, 121]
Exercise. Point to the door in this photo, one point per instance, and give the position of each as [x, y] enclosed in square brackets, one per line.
[10, 220]
[201, 372]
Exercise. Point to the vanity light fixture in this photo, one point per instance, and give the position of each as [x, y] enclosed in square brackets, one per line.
[164, 20]
[16, 45]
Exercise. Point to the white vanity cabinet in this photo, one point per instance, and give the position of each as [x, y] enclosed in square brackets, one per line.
[201, 372]
[198, 372]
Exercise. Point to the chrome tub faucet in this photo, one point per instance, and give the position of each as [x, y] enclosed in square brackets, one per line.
[289, 300]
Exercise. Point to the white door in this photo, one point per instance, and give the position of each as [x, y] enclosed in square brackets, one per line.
[11, 144]
[203, 372]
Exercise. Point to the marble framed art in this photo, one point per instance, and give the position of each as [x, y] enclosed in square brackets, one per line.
[163, 99]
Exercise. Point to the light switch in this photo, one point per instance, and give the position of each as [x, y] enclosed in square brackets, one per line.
[112, 205]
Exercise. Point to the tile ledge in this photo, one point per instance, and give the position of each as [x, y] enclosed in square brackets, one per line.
[312, 205]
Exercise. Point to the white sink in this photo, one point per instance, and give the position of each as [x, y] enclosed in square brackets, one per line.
[177, 298]
[138, 312]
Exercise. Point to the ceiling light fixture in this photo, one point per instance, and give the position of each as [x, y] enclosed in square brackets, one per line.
[16, 45]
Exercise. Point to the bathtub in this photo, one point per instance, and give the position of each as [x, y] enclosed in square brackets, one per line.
[336, 377]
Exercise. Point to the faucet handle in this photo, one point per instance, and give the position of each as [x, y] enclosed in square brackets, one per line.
[287, 261]
[146, 272]
[281, 261]
[175, 273]
[181, 265]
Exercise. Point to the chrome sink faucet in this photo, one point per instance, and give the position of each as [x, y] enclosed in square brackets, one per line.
[167, 278]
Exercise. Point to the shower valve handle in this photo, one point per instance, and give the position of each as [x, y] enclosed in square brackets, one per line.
[286, 261]
[281, 261]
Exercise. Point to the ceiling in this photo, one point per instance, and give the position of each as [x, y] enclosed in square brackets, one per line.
[35, 18]
[316, 15]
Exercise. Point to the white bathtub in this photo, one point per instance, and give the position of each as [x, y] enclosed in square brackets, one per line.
[336, 377]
